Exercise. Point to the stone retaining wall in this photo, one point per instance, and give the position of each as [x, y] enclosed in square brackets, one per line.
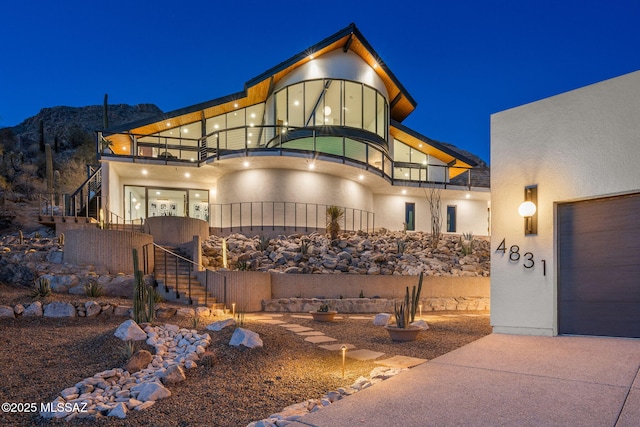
[94, 309]
[372, 305]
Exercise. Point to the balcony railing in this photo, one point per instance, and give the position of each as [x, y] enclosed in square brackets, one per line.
[338, 144]
[290, 216]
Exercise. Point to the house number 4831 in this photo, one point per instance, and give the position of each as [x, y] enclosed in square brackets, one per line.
[515, 256]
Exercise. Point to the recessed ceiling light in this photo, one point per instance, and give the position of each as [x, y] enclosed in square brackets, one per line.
[420, 146]
[246, 164]
[424, 162]
[327, 110]
[311, 56]
[404, 191]
[197, 195]
[312, 165]
[235, 105]
[361, 177]
[406, 174]
[250, 134]
[375, 65]
[168, 124]
[185, 130]
[124, 147]
[216, 126]
[157, 193]
[253, 115]
[134, 199]
[144, 172]
[187, 175]
[296, 103]
[468, 196]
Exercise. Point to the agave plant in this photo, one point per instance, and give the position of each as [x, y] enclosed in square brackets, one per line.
[41, 288]
[334, 215]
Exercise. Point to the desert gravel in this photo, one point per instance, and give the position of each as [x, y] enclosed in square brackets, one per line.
[40, 357]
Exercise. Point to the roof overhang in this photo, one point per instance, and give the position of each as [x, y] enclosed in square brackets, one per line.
[258, 89]
[433, 148]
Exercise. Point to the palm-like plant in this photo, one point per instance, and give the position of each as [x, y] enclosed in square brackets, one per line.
[334, 215]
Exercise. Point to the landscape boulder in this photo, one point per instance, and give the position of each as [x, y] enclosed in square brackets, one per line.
[33, 310]
[92, 308]
[6, 311]
[220, 325]
[246, 338]
[173, 374]
[150, 391]
[130, 331]
[382, 319]
[59, 309]
[139, 361]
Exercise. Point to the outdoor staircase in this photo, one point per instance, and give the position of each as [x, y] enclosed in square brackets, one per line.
[180, 278]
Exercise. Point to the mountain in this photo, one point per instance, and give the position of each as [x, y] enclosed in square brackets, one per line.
[65, 122]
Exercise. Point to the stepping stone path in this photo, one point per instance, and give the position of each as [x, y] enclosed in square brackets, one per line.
[390, 367]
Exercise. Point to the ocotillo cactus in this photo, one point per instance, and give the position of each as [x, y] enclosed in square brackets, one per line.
[49, 168]
[415, 298]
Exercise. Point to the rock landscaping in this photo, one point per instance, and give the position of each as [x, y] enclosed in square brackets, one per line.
[141, 383]
[382, 252]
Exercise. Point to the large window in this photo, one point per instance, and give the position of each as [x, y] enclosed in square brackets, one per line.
[144, 202]
[330, 102]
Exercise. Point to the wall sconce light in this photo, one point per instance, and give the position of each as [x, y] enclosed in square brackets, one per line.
[528, 210]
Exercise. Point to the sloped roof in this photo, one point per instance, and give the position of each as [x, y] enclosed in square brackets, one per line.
[258, 88]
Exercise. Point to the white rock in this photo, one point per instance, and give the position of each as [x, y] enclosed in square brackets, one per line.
[220, 325]
[59, 309]
[33, 310]
[246, 338]
[130, 331]
[382, 319]
[92, 308]
[151, 391]
[420, 324]
[7, 312]
[173, 374]
[68, 392]
[18, 309]
[119, 411]
[145, 405]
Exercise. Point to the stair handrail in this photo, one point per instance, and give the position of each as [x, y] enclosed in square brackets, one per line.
[95, 176]
[192, 263]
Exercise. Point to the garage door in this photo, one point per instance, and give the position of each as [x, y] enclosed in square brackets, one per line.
[599, 267]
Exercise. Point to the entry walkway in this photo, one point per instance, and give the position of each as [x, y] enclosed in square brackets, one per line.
[504, 380]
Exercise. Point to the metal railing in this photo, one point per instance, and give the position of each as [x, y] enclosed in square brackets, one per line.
[267, 215]
[219, 285]
[334, 143]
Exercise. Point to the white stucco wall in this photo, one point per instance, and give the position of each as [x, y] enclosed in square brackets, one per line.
[578, 145]
[472, 215]
[285, 185]
[336, 65]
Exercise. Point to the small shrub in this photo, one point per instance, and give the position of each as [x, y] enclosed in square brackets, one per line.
[324, 308]
[466, 242]
[157, 298]
[304, 247]
[263, 243]
[41, 288]
[93, 289]
[361, 294]
[243, 265]
[402, 245]
[195, 322]
[127, 350]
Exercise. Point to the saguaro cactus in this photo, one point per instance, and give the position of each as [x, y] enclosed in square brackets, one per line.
[143, 301]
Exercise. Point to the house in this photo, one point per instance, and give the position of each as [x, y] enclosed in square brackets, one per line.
[322, 128]
[573, 265]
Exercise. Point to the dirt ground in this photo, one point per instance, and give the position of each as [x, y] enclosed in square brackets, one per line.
[42, 356]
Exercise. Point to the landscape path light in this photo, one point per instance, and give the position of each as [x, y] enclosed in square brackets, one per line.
[344, 355]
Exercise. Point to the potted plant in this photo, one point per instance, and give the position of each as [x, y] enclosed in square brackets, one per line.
[323, 314]
[405, 314]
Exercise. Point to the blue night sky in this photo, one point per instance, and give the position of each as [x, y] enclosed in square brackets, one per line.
[460, 60]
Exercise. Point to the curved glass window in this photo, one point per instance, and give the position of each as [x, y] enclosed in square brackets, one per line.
[330, 102]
